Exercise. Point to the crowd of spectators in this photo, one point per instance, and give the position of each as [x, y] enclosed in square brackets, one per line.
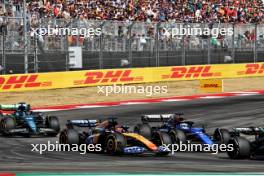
[189, 11]
[240, 11]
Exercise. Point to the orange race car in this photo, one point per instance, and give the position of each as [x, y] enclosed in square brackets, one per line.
[113, 138]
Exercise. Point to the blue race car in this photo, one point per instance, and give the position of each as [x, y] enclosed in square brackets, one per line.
[21, 121]
[179, 130]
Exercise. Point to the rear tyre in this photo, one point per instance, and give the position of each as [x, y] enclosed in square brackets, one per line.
[143, 130]
[241, 148]
[53, 123]
[162, 138]
[222, 136]
[115, 144]
[69, 136]
[7, 124]
[177, 136]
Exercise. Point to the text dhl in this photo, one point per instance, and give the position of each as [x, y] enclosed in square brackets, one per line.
[109, 76]
[211, 85]
[254, 68]
[191, 72]
[17, 82]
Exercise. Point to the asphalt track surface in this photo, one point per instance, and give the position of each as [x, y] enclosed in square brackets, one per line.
[244, 111]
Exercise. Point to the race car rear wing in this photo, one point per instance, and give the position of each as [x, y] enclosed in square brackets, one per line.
[9, 107]
[158, 117]
[82, 123]
[249, 130]
[14, 107]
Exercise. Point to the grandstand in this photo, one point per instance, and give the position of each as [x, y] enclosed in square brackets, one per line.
[133, 32]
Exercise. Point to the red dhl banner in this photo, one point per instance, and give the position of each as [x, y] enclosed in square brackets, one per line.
[54, 80]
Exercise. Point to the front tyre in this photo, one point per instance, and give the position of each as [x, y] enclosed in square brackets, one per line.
[115, 144]
[160, 139]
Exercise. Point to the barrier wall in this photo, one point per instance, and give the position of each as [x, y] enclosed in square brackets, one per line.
[38, 81]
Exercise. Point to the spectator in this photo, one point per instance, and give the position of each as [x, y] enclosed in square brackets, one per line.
[148, 11]
[142, 43]
[249, 11]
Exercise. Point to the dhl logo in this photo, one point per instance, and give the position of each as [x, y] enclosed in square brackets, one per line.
[24, 81]
[211, 86]
[252, 69]
[191, 72]
[112, 76]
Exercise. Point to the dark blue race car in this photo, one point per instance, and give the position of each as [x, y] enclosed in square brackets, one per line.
[23, 122]
[247, 142]
[179, 129]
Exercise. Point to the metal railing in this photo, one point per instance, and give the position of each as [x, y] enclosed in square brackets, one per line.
[139, 43]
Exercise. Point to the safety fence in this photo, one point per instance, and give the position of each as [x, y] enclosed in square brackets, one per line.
[54, 80]
[124, 44]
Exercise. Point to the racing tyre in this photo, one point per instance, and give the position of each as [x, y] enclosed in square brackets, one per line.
[222, 136]
[143, 130]
[53, 123]
[177, 136]
[69, 136]
[162, 138]
[115, 144]
[7, 124]
[241, 148]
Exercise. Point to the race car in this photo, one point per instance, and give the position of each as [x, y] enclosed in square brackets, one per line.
[19, 120]
[179, 129]
[114, 139]
[247, 143]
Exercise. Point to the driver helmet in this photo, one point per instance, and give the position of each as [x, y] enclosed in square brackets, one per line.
[184, 125]
[23, 107]
[119, 129]
[177, 119]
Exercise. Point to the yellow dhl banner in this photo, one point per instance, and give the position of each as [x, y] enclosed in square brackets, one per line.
[54, 80]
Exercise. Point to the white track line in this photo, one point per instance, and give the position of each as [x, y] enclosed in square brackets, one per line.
[89, 106]
[212, 97]
[241, 92]
[134, 103]
[48, 110]
[173, 100]
[246, 94]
